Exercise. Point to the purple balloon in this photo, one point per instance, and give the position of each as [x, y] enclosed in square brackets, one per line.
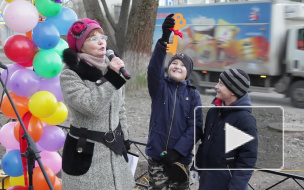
[7, 138]
[52, 139]
[51, 85]
[25, 82]
[39, 147]
[10, 69]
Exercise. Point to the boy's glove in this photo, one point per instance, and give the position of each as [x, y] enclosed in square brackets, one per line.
[168, 23]
[170, 157]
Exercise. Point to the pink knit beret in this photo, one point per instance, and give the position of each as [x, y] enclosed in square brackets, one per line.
[79, 31]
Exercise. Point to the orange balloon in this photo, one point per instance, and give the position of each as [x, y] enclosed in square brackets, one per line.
[39, 181]
[35, 128]
[29, 34]
[21, 104]
[57, 184]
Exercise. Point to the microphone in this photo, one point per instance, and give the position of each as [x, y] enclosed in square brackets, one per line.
[3, 66]
[110, 54]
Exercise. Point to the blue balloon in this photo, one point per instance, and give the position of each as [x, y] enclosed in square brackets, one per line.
[64, 20]
[46, 35]
[12, 164]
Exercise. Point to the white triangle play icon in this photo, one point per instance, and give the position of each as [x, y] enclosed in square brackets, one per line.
[235, 138]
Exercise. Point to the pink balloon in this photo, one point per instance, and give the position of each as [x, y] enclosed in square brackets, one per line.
[25, 82]
[10, 69]
[52, 85]
[52, 139]
[8, 149]
[7, 138]
[21, 16]
[52, 160]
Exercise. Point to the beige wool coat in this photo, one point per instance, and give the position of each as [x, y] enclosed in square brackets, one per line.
[98, 108]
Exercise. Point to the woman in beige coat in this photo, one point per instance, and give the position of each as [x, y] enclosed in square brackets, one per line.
[94, 154]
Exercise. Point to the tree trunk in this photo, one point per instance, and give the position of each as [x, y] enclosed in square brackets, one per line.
[139, 39]
[121, 28]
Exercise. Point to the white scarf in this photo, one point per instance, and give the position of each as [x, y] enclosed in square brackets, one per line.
[94, 61]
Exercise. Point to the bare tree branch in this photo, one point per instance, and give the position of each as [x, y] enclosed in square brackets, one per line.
[108, 15]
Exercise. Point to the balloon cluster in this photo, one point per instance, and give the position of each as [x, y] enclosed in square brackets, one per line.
[33, 84]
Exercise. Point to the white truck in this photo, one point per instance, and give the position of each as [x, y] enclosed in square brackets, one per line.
[264, 38]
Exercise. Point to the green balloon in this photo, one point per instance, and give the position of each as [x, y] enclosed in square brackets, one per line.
[48, 8]
[62, 45]
[47, 63]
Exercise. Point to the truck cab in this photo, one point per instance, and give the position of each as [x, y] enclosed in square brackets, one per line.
[294, 87]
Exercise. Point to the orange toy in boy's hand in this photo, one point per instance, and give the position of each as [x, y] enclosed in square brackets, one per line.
[179, 22]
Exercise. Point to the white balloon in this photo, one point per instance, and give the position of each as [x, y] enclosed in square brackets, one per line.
[21, 16]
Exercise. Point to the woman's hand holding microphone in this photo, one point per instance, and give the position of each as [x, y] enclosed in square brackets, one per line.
[116, 63]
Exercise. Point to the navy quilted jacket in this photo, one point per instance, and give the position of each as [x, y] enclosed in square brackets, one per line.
[211, 152]
[172, 115]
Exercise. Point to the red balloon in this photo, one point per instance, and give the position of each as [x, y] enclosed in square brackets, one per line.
[28, 63]
[17, 188]
[19, 48]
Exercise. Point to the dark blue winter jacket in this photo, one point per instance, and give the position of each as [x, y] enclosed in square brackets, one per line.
[172, 111]
[211, 152]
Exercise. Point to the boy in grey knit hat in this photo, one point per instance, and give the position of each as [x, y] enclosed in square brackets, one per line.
[232, 91]
[236, 84]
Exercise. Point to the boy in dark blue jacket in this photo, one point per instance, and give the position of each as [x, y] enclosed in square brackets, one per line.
[171, 131]
[231, 91]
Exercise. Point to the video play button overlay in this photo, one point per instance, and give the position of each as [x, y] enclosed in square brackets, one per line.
[235, 138]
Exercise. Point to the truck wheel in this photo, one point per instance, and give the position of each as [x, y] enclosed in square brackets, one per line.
[297, 94]
[195, 79]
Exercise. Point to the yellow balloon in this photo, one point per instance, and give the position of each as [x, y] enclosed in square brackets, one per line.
[5, 182]
[17, 181]
[42, 104]
[58, 117]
